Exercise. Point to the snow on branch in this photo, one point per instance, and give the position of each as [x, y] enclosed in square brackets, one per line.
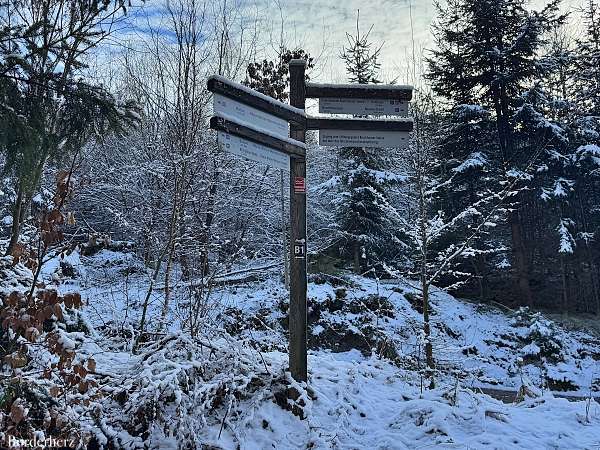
[567, 242]
[475, 160]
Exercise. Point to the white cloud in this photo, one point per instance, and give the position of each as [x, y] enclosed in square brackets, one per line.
[321, 27]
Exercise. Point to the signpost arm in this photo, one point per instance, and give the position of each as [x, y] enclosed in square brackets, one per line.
[297, 312]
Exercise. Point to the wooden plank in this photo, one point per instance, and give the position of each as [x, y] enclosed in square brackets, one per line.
[366, 91]
[298, 282]
[326, 123]
[222, 124]
[254, 99]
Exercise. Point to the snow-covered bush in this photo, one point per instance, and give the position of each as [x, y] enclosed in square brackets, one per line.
[539, 336]
[179, 388]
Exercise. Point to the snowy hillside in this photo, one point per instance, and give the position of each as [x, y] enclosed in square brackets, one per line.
[227, 388]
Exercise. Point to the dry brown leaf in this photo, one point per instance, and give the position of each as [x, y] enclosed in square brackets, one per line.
[58, 311]
[17, 412]
[83, 387]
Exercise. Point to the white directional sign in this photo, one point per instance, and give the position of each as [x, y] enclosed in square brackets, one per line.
[363, 138]
[246, 114]
[251, 150]
[363, 106]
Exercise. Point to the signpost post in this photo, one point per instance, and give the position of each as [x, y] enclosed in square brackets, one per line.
[298, 279]
[254, 126]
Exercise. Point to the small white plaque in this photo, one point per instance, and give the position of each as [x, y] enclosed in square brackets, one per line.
[363, 138]
[251, 150]
[363, 106]
[251, 116]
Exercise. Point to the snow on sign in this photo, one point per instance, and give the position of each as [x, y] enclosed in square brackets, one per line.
[363, 138]
[363, 106]
[254, 151]
[246, 114]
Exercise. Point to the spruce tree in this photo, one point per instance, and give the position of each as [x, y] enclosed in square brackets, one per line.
[365, 216]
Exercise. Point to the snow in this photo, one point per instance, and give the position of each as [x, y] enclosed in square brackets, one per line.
[358, 87]
[504, 264]
[470, 112]
[66, 342]
[258, 94]
[590, 151]
[478, 109]
[518, 174]
[379, 176]
[531, 349]
[475, 160]
[561, 189]
[326, 185]
[370, 405]
[566, 239]
[356, 397]
[486, 329]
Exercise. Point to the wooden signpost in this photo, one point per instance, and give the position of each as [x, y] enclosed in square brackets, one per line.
[256, 127]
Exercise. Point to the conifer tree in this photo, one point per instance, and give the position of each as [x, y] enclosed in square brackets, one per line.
[366, 217]
[272, 78]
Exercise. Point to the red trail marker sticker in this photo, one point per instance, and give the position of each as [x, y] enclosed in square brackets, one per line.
[299, 185]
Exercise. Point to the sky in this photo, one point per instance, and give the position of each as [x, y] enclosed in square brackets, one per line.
[320, 26]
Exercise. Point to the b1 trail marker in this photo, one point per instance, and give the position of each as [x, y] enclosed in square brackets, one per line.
[254, 126]
[299, 249]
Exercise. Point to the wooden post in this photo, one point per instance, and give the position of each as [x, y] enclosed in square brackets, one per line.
[297, 311]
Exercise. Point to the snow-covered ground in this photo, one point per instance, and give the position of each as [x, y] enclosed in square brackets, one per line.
[365, 367]
[482, 345]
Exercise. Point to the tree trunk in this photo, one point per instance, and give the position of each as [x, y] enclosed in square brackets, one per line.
[147, 301]
[427, 332]
[165, 309]
[210, 216]
[16, 221]
[357, 265]
[565, 297]
[520, 260]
